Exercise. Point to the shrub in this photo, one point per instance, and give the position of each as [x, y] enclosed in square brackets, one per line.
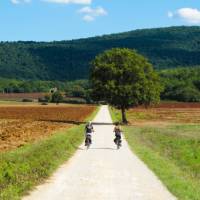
[27, 100]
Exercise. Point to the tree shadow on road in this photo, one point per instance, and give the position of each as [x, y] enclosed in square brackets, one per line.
[96, 148]
[65, 121]
[103, 148]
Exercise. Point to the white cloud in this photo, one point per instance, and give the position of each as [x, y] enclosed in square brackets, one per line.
[99, 11]
[20, 1]
[88, 18]
[70, 1]
[91, 13]
[190, 15]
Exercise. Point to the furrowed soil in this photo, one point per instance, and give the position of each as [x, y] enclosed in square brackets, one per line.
[24, 124]
[165, 114]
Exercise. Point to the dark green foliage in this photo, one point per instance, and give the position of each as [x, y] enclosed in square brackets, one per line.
[57, 97]
[77, 88]
[181, 84]
[75, 101]
[27, 100]
[47, 98]
[18, 86]
[72, 88]
[124, 79]
[69, 60]
[78, 91]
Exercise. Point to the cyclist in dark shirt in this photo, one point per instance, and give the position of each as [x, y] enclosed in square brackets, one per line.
[88, 132]
[118, 133]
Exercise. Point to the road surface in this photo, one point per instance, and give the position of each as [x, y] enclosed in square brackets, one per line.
[102, 172]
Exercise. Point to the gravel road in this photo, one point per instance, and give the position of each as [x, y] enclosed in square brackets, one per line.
[102, 172]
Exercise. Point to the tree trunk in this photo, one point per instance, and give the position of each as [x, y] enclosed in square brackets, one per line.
[124, 120]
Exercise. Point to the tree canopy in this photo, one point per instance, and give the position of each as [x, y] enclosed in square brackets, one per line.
[124, 79]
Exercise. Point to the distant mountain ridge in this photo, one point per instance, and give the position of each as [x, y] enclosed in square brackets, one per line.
[69, 60]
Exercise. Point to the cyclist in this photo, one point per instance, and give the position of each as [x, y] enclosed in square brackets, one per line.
[88, 132]
[118, 133]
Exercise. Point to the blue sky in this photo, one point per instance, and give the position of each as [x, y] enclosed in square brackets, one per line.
[47, 20]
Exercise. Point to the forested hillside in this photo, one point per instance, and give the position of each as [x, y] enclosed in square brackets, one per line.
[69, 60]
[181, 84]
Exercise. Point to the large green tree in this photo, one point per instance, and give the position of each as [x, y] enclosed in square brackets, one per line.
[124, 79]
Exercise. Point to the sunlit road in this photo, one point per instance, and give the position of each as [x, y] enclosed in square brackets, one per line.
[102, 172]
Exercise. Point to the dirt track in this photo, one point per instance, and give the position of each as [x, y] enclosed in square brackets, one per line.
[102, 173]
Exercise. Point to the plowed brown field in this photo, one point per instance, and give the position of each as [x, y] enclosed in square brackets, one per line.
[166, 113]
[48, 113]
[15, 96]
[23, 124]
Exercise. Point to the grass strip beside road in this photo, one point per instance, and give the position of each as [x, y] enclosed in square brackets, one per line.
[172, 153]
[28, 166]
[115, 114]
[173, 158]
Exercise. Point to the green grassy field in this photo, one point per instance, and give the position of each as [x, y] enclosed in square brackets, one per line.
[25, 167]
[171, 151]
